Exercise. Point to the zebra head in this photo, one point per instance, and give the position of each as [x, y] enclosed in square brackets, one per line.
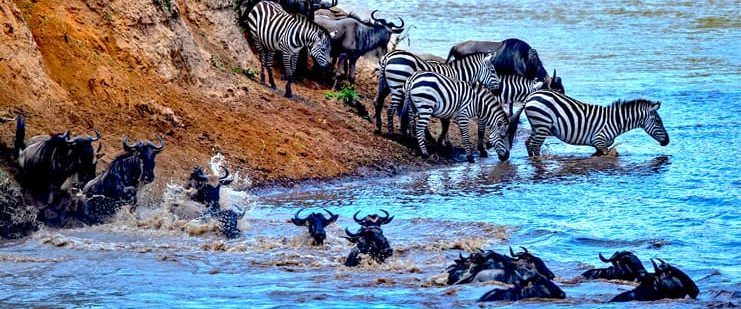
[320, 48]
[654, 126]
[498, 136]
[489, 77]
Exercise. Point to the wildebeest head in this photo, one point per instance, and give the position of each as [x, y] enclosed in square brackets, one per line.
[654, 126]
[316, 223]
[672, 282]
[460, 268]
[526, 259]
[207, 188]
[467, 269]
[627, 262]
[370, 240]
[391, 27]
[85, 157]
[536, 285]
[373, 219]
[555, 83]
[146, 153]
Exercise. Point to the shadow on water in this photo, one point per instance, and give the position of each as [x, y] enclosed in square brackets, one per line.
[562, 168]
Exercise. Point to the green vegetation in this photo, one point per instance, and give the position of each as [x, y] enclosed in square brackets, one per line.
[249, 72]
[108, 17]
[347, 94]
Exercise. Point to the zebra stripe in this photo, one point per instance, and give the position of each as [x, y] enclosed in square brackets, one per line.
[271, 29]
[514, 89]
[434, 94]
[578, 123]
[396, 67]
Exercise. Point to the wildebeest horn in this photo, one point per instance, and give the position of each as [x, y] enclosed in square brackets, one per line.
[161, 145]
[201, 176]
[130, 147]
[511, 252]
[373, 16]
[392, 25]
[224, 179]
[297, 220]
[656, 268]
[97, 136]
[332, 217]
[386, 219]
[554, 74]
[334, 3]
[350, 233]
[355, 217]
[98, 153]
[662, 261]
[65, 136]
[604, 259]
[524, 249]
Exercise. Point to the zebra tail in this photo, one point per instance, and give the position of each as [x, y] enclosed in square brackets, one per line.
[20, 135]
[513, 122]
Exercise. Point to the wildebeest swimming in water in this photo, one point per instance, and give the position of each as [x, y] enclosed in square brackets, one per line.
[530, 285]
[316, 222]
[484, 266]
[667, 281]
[49, 164]
[373, 219]
[368, 240]
[208, 193]
[625, 266]
[119, 184]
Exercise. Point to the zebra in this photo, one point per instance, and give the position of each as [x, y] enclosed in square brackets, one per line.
[396, 67]
[434, 94]
[578, 123]
[512, 89]
[272, 29]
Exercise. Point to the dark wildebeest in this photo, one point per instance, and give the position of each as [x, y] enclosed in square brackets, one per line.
[208, 193]
[119, 184]
[354, 38]
[466, 48]
[625, 266]
[302, 7]
[483, 266]
[527, 260]
[316, 222]
[373, 219]
[368, 240]
[531, 285]
[667, 281]
[47, 162]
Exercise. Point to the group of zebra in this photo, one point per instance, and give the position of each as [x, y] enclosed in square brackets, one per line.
[471, 87]
[484, 85]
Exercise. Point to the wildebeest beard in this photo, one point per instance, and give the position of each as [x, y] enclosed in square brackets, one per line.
[316, 222]
[369, 240]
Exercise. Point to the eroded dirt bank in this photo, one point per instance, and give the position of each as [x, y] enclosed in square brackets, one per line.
[148, 67]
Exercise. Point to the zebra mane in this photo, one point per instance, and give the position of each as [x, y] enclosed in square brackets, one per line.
[629, 103]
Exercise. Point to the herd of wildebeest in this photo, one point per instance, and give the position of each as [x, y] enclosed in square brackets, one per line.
[481, 80]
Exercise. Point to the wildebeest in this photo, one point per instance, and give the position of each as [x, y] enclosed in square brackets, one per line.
[667, 281]
[119, 184]
[525, 259]
[483, 266]
[208, 193]
[373, 219]
[47, 162]
[531, 285]
[303, 7]
[466, 48]
[625, 266]
[368, 240]
[354, 38]
[316, 222]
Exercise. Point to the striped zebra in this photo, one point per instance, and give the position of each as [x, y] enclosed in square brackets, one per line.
[272, 29]
[512, 89]
[577, 123]
[433, 94]
[398, 65]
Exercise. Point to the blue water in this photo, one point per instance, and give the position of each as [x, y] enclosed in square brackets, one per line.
[679, 203]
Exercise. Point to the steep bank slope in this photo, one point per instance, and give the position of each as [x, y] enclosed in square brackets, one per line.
[148, 67]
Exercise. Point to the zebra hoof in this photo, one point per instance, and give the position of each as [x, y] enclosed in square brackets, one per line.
[425, 156]
[289, 95]
[483, 154]
[470, 159]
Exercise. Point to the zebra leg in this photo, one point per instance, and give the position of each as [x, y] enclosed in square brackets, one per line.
[463, 126]
[482, 130]
[396, 101]
[424, 118]
[535, 141]
[289, 62]
[269, 66]
[383, 92]
[443, 138]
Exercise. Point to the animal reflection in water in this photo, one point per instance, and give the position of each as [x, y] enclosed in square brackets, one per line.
[556, 168]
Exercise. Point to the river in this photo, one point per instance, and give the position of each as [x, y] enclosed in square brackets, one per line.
[679, 202]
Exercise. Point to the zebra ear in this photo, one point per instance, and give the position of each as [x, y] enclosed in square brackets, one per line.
[655, 106]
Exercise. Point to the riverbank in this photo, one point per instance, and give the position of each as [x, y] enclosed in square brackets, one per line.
[183, 71]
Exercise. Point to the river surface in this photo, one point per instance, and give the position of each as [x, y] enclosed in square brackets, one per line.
[680, 202]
